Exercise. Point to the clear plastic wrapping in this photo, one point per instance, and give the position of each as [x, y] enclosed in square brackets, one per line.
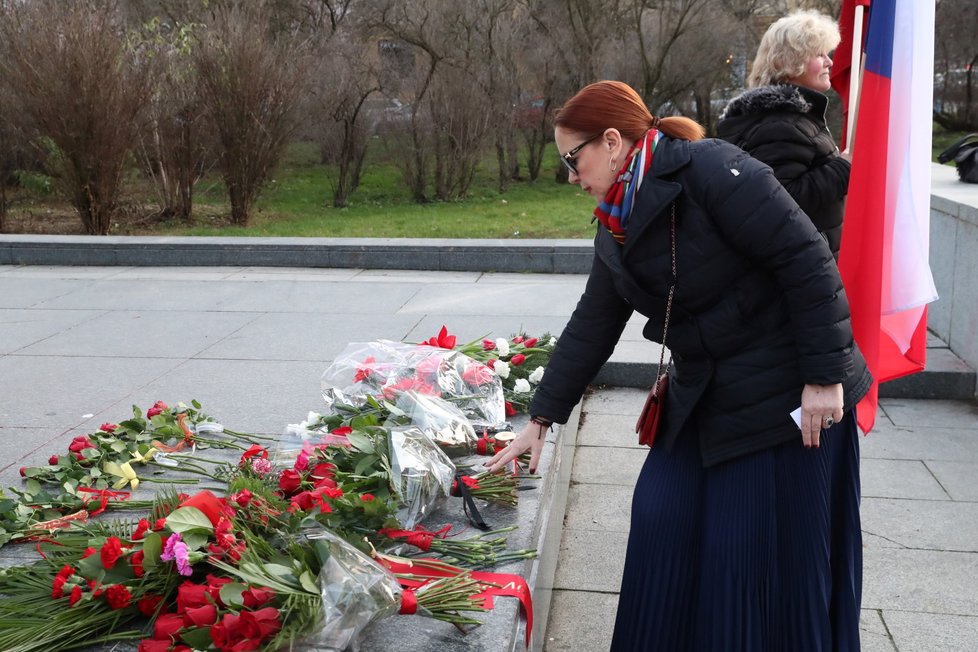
[421, 474]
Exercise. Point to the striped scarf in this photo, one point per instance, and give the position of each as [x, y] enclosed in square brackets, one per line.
[614, 211]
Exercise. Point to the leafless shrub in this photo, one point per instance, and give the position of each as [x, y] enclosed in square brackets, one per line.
[250, 82]
[81, 87]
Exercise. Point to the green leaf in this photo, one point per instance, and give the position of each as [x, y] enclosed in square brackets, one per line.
[91, 567]
[308, 582]
[361, 442]
[188, 519]
[152, 548]
[118, 446]
[195, 403]
[198, 638]
[195, 540]
[365, 464]
[231, 594]
[33, 486]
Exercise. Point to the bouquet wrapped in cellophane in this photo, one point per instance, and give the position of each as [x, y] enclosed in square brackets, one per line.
[385, 369]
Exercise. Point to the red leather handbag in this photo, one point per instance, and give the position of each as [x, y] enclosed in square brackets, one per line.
[647, 426]
[650, 419]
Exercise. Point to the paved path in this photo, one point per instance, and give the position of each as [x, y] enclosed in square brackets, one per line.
[919, 515]
[79, 345]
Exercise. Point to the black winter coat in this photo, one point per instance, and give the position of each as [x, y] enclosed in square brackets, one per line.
[758, 312]
[784, 126]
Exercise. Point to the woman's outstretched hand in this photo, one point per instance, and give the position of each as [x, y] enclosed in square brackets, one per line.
[821, 407]
[531, 439]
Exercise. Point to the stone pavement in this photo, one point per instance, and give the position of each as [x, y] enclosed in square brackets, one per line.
[79, 345]
[919, 518]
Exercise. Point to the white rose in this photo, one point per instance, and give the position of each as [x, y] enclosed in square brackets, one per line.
[502, 346]
[537, 375]
[313, 417]
[522, 386]
[501, 368]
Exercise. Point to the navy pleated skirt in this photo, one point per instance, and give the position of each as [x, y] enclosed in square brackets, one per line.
[759, 554]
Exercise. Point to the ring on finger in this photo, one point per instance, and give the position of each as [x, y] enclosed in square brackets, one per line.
[828, 422]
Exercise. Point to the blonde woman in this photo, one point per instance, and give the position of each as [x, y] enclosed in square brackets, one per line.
[781, 119]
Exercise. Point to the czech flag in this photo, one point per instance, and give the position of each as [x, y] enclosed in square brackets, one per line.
[885, 235]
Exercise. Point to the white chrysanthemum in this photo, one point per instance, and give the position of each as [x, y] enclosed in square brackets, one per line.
[522, 386]
[313, 417]
[501, 368]
[502, 346]
[553, 341]
[536, 376]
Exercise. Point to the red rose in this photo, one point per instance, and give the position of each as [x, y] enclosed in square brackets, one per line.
[260, 624]
[242, 498]
[289, 481]
[324, 470]
[136, 561]
[110, 552]
[157, 408]
[517, 359]
[78, 444]
[200, 616]
[303, 501]
[23, 471]
[150, 645]
[147, 605]
[108, 427]
[53, 460]
[118, 596]
[324, 482]
[510, 410]
[190, 596]
[477, 374]
[256, 596]
[214, 585]
[227, 632]
[75, 597]
[167, 626]
[331, 492]
[367, 498]
[488, 345]
[530, 343]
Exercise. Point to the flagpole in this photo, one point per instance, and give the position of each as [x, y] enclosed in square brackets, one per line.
[855, 75]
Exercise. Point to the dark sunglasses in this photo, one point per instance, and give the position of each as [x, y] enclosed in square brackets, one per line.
[570, 158]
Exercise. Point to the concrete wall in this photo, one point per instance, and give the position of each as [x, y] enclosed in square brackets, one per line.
[954, 262]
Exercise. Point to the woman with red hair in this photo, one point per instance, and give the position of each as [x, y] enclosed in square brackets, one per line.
[745, 523]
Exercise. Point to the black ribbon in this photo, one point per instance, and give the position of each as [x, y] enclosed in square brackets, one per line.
[468, 504]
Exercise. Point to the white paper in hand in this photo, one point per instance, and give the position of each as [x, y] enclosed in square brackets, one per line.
[796, 417]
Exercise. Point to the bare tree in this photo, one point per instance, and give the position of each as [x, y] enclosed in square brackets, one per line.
[82, 89]
[250, 83]
[175, 144]
[956, 65]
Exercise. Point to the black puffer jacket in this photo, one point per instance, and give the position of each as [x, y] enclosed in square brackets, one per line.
[784, 126]
[759, 308]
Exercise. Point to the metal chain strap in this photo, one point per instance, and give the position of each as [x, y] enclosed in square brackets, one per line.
[672, 291]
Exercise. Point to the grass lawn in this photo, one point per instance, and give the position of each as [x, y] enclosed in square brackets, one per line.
[298, 202]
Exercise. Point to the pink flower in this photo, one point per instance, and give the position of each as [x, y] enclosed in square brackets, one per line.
[477, 374]
[261, 466]
[168, 553]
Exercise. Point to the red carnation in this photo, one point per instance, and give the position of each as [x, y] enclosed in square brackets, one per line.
[75, 597]
[136, 561]
[57, 587]
[367, 498]
[118, 596]
[110, 552]
[140, 530]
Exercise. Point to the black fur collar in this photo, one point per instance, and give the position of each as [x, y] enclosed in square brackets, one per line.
[767, 99]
